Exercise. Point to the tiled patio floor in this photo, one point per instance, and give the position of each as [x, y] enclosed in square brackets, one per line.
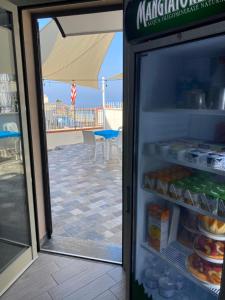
[86, 201]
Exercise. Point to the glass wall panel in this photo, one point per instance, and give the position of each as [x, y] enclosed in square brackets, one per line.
[14, 221]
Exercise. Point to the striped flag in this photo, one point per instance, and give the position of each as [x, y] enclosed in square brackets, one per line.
[73, 93]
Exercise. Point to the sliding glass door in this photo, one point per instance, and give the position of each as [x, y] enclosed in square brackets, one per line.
[17, 238]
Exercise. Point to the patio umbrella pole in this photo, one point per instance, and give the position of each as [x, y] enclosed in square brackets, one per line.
[103, 100]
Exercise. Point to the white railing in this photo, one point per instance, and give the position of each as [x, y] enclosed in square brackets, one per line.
[63, 116]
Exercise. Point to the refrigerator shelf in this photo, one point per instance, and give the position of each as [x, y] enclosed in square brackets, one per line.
[181, 203]
[213, 112]
[176, 254]
[216, 171]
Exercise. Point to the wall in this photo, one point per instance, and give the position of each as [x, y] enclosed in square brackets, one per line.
[113, 118]
[61, 138]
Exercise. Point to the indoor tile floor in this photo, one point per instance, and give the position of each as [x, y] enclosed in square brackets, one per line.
[86, 199]
[53, 277]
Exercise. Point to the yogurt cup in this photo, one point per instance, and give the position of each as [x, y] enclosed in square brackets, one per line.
[162, 148]
[152, 276]
[215, 160]
[195, 155]
[167, 287]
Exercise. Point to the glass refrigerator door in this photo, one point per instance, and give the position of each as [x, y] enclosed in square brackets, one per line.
[180, 206]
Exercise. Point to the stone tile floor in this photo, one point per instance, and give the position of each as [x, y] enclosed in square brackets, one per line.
[53, 277]
[13, 210]
[86, 199]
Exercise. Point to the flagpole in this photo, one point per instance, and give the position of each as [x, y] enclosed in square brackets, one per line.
[73, 98]
[74, 116]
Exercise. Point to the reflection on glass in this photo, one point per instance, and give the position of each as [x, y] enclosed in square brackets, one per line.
[14, 225]
[181, 243]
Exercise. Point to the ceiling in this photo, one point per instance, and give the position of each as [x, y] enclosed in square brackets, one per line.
[37, 2]
[33, 2]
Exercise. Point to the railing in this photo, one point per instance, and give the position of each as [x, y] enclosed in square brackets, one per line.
[114, 105]
[4, 109]
[62, 116]
[8, 94]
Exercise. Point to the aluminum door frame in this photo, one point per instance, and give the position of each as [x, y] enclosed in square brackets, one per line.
[41, 117]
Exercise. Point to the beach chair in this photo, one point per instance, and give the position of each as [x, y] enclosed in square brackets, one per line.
[117, 143]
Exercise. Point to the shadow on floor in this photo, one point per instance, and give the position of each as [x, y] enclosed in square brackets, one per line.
[84, 248]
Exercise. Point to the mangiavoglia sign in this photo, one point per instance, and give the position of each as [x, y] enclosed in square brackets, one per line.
[148, 18]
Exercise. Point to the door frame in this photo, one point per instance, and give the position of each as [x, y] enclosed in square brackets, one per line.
[22, 262]
[42, 128]
[63, 9]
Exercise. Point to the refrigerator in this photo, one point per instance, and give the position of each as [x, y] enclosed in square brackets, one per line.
[176, 129]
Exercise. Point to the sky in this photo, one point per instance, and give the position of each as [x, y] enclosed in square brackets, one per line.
[89, 97]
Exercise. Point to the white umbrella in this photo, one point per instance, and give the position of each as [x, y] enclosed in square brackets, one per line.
[102, 22]
[77, 58]
[118, 76]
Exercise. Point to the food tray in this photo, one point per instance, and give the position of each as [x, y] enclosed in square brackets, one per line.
[199, 200]
[206, 283]
[205, 257]
[210, 235]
